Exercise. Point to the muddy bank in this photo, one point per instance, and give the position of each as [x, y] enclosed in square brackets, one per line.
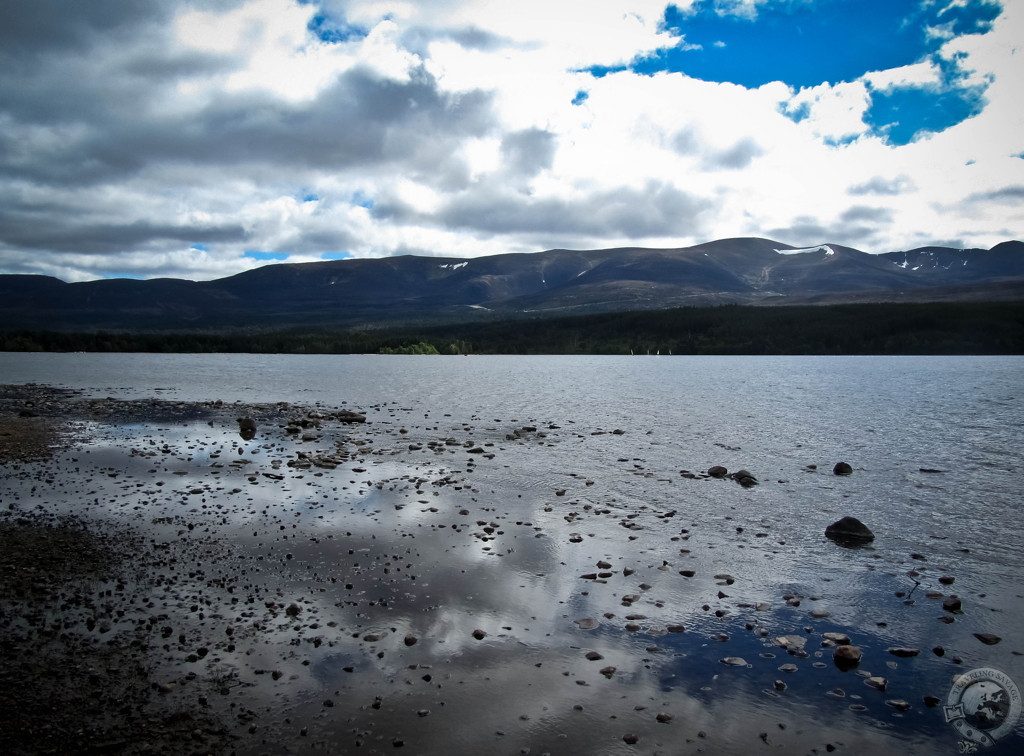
[70, 681]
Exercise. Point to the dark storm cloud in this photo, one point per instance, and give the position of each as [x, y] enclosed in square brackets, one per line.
[361, 120]
[685, 142]
[740, 155]
[863, 213]
[655, 210]
[102, 238]
[32, 27]
[806, 230]
[803, 230]
[883, 186]
[931, 241]
[89, 99]
[1008, 194]
[418, 38]
[93, 62]
[87, 62]
[168, 65]
[316, 241]
[527, 152]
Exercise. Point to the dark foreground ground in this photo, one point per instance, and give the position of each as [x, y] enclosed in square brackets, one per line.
[70, 682]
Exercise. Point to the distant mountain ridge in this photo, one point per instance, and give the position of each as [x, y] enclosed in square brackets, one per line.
[369, 292]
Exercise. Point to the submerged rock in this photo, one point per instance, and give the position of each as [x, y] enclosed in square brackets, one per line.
[988, 638]
[846, 657]
[849, 531]
[347, 416]
[791, 642]
[903, 652]
[840, 639]
[745, 478]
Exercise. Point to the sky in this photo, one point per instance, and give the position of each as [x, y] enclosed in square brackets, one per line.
[200, 139]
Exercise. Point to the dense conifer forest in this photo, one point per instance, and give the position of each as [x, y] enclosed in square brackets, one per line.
[937, 328]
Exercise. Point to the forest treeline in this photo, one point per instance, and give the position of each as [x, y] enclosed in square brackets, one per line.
[934, 328]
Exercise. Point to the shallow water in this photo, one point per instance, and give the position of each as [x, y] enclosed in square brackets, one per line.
[367, 524]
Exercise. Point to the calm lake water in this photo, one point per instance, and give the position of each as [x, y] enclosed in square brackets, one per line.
[622, 501]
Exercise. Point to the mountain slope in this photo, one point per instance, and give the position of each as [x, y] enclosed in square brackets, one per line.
[947, 265]
[409, 288]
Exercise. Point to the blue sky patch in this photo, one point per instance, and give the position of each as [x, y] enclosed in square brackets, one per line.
[797, 114]
[310, 197]
[335, 256]
[841, 141]
[805, 43]
[599, 71]
[580, 97]
[253, 254]
[902, 114]
[330, 29]
[199, 246]
[362, 199]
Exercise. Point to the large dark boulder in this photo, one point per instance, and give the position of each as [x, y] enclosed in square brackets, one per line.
[247, 428]
[842, 468]
[745, 478]
[846, 657]
[849, 531]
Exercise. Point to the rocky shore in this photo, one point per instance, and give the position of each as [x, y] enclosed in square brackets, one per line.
[212, 577]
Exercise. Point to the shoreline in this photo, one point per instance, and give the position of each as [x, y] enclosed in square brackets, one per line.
[359, 577]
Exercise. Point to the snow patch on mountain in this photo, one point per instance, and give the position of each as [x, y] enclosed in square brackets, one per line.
[821, 248]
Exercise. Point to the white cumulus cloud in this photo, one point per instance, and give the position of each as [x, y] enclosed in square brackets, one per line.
[195, 132]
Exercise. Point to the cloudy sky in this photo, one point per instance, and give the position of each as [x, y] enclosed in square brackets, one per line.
[199, 139]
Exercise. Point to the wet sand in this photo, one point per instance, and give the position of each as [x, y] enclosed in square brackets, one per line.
[365, 579]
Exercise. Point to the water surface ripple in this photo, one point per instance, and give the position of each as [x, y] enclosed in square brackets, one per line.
[379, 548]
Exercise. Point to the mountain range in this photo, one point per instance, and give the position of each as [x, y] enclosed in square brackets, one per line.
[406, 289]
